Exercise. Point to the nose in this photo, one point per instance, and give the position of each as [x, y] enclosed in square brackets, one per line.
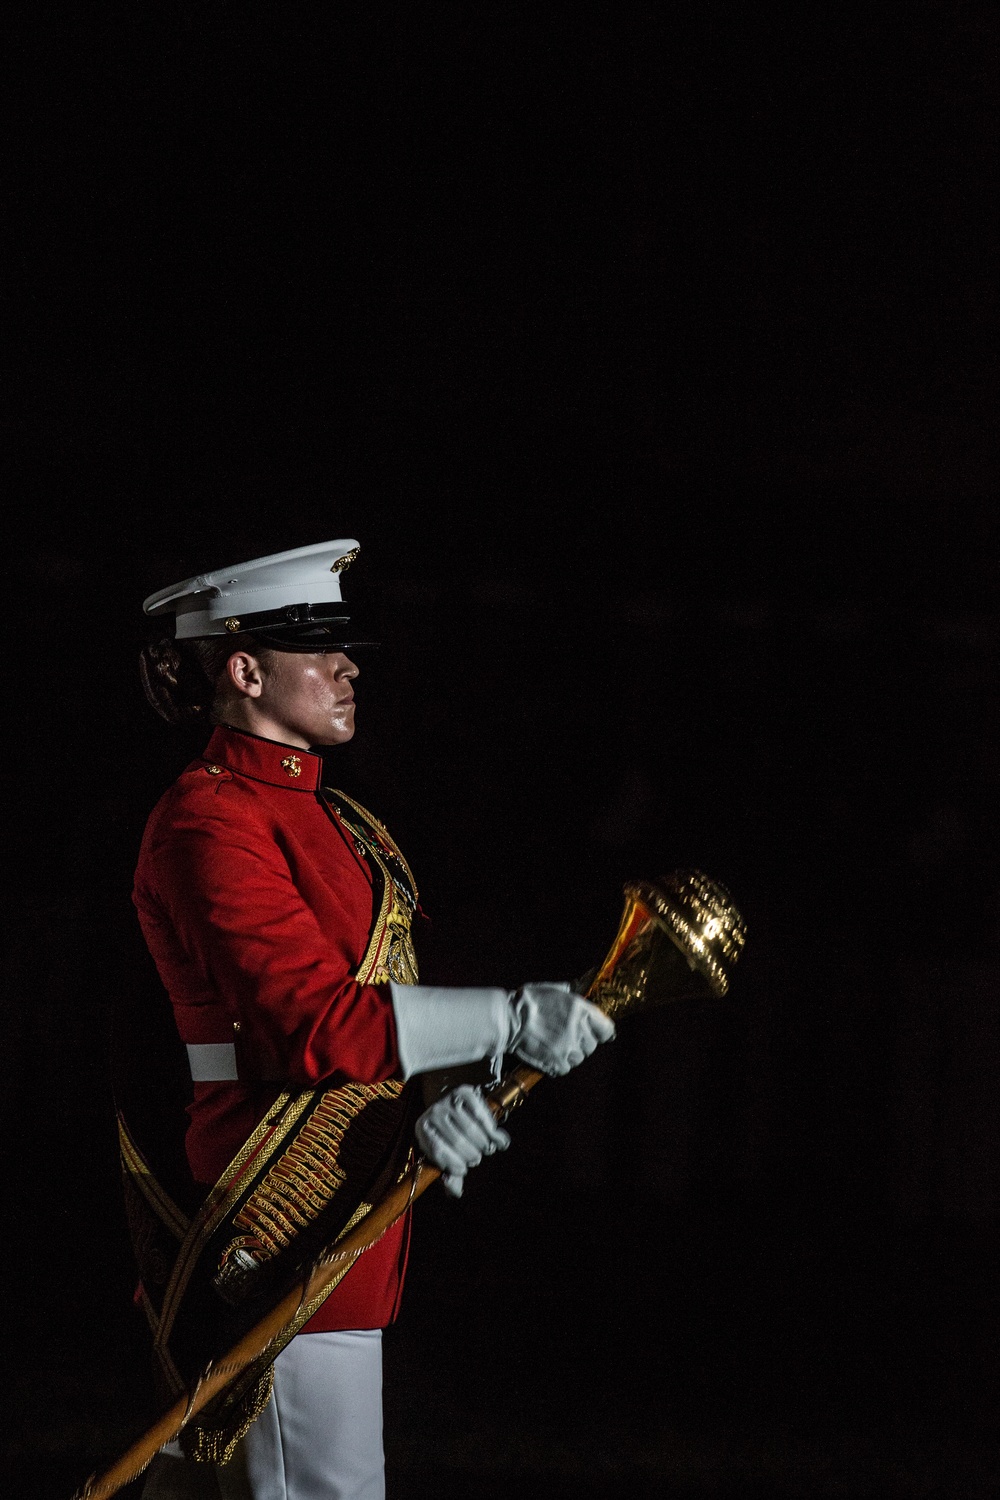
[348, 669]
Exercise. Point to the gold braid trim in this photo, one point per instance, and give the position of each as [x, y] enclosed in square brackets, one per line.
[276, 1123]
[383, 831]
[367, 967]
[138, 1169]
[389, 954]
[296, 1188]
[250, 1393]
[216, 1445]
[306, 1178]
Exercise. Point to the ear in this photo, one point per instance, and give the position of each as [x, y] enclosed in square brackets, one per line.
[244, 674]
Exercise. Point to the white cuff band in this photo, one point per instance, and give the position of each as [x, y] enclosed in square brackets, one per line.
[212, 1062]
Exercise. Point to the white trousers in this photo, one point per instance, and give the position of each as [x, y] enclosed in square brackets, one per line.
[319, 1437]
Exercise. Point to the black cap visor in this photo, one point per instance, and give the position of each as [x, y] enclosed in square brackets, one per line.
[309, 627]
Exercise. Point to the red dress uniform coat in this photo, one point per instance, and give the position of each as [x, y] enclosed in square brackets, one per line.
[257, 908]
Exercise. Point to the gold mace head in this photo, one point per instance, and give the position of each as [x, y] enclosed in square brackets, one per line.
[679, 937]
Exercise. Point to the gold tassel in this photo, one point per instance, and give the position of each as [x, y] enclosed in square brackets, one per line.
[216, 1445]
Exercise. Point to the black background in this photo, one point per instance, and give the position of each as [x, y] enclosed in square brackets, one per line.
[649, 353]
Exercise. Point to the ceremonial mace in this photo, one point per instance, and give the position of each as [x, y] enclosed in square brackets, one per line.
[678, 939]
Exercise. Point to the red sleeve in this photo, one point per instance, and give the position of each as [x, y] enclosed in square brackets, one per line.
[229, 894]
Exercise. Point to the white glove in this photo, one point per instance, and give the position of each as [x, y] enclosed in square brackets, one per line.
[457, 1132]
[556, 1029]
[547, 1025]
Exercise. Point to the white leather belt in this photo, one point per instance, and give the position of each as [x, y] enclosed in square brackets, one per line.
[212, 1062]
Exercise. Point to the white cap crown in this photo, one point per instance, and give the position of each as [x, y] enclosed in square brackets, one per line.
[235, 598]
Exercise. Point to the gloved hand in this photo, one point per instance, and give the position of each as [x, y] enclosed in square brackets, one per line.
[546, 1025]
[457, 1132]
[555, 1028]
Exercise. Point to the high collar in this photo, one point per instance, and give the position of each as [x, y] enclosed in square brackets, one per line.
[244, 754]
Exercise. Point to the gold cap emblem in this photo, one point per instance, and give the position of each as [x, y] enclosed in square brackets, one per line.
[292, 765]
[343, 563]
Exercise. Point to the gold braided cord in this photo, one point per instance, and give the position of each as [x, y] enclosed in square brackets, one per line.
[304, 1181]
[384, 833]
[389, 954]
[276, 1124]
[367, 967]
[216, 1445]
[296, 1188]
[136, 1165]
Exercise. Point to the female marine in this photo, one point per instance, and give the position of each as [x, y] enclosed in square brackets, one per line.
[278, 912]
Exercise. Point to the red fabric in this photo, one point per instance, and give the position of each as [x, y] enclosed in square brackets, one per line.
[257, 909]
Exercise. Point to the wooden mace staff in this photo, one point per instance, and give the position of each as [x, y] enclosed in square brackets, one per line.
[705, 934]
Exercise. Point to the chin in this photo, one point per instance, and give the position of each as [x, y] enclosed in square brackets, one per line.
[339, 736]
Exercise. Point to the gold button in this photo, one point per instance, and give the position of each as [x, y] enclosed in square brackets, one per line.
[232, 624]
[214, 770]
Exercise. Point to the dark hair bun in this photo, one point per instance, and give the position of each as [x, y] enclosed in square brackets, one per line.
[174, 681]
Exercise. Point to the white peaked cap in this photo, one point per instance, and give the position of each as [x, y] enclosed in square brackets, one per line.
[286, 597]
